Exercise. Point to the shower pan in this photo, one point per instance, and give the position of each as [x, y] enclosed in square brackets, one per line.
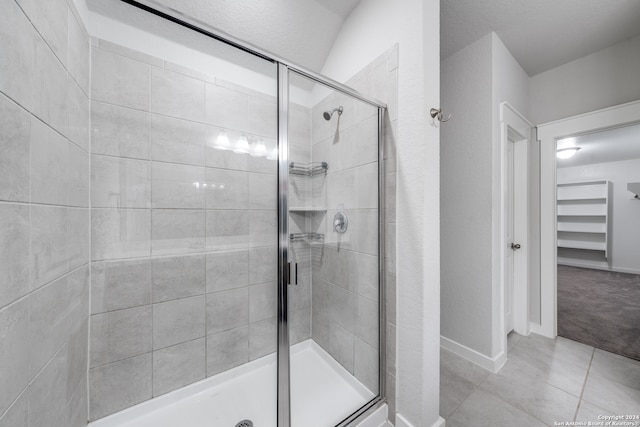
[262, 186]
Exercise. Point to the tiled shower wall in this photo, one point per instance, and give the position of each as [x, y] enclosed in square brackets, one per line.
[345, 268]
[44, 215]
[183, 235]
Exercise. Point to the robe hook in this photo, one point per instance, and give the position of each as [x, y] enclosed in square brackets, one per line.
[436, 113]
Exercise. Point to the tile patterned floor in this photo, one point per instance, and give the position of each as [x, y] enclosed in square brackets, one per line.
[544, 381]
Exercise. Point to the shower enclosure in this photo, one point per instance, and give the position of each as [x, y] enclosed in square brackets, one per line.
[237, 233]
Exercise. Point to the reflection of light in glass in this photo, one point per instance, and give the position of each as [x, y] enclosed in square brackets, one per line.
[259, 150]
[222, 143]
[567, 153]
[273, 155]
[222, 186]
[242, 147]
[196, 184]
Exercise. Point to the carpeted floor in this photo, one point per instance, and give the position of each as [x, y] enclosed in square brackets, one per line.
[600, 308]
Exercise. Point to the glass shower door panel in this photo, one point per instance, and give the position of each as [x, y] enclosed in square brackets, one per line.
[334, 253]
[184, 184]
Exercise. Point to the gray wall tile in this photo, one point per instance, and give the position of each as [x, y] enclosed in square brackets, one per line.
[178, 366]
[177, 231]
[178, 321]
[119, 385]
[178, 141]
[262, 118]
[178, 277]
[119, 131]
[177, 95]
[14, 252]
[227, 230]
[263, 264]
[120, 284]
[47, 408]
[227, 270]
[48, 244]
[14, 143]
[127, 52]
[263, 191]
[365, 365]
[263, 228]
[120, 233]
[56, 311]
[300, 325]
[49, 165]
[227, 189]
[227, 310]
[263, 338]
[17, 69]
[119, 80]
[14, 348]
[120, 183]
[177, 186]
[79, 115]
[226, 108]
[18, 414]
[367, 321]
[78, 177]
[78, 236]
[78, 53]
[226, 350]
[50, 18]
[50, 96]
[120, 334]
[263, 301]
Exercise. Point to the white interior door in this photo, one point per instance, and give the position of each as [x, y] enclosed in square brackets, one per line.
[509, 238]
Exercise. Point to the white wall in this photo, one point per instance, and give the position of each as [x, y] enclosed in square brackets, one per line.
[373, 27]
[603, 79]
[466, 186]
[475, 80]
[624, 254]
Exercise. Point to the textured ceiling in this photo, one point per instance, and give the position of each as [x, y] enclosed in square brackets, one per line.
[300, 31]
[540, 34]
[602, 147]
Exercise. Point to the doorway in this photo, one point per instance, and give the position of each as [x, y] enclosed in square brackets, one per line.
[558, 229]
[516, 135]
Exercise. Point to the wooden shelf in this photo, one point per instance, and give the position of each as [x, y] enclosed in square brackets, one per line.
[583, 209]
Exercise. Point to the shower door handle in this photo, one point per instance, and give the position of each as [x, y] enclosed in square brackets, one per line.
[289, 273]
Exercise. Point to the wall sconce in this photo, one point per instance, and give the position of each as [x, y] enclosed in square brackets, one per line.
[567, 153]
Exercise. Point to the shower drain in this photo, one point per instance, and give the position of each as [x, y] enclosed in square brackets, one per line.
[245, 423]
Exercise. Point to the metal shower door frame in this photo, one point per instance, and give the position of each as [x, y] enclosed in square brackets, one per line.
[283, 70]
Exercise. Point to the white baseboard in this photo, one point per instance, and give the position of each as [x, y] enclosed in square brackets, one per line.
[537, 329]
[377, 418]
[492, 364]
[402, 422]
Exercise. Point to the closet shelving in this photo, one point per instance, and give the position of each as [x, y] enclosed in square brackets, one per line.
[583, 214]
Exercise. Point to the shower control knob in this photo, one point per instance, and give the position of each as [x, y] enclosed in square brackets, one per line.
[515, 246]
[340, 222]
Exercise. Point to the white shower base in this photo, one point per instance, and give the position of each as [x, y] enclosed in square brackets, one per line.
[323, 393]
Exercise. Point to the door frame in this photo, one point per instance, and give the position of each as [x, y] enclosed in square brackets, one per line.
[548, 134]
[515, 129]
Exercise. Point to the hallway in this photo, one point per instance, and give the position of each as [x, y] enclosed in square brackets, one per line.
[544, 381]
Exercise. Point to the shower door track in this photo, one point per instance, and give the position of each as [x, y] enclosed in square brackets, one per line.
[283, 69]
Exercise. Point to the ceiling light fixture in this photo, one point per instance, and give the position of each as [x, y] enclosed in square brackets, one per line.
[567, 153]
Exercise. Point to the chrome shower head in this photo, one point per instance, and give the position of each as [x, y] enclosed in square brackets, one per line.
[328, 114]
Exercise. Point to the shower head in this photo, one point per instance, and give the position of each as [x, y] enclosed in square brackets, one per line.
[328, 114]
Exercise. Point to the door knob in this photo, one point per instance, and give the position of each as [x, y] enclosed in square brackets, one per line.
[515, 246]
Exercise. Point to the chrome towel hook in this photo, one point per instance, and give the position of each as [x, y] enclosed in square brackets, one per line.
[436, 113]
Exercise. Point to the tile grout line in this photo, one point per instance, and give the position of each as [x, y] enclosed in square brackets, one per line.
[584, 385]
[469, 395]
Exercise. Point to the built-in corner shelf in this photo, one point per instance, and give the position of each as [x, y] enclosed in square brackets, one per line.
[308, 169]
[634, 187]
[306, 237]
[305, 209]
[583, 211]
